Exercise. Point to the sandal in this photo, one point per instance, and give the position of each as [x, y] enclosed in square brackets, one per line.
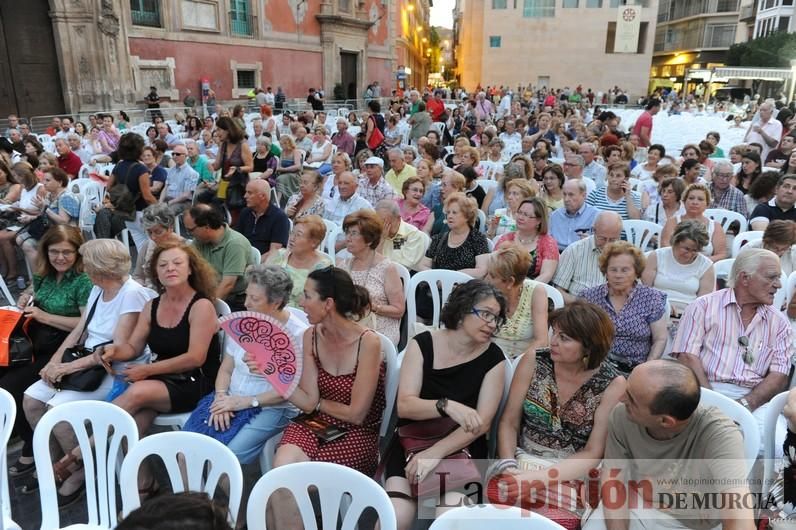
[66, 500]
[18, 468]
[29, 485]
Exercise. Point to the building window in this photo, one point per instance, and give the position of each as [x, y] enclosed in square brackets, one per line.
[594, 3]
[494, 42]
[145, 12]
[246, 78]
[570, 4]
[784, 22]
[719, 35]
[344, 6]
[499, 4]
[539, 8]
[241, 23]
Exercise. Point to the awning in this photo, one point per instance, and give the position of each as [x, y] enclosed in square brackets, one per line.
[705, 75]
[764, 74]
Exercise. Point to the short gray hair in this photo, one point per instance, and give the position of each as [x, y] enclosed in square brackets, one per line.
[748, 261]
[73, 136]
[158, 214]
[189, 141]
[725, 164]
[578, 159]
[273, 280]
[690, 229]
[106, 257]
[389, 206]
[397, 151]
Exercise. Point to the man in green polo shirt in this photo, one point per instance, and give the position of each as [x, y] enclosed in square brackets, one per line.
[227, 251]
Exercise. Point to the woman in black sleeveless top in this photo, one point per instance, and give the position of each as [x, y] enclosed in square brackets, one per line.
[453, 372]
[180, 327]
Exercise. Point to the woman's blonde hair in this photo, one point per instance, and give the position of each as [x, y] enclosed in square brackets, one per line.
[510, 263]
[106, 258]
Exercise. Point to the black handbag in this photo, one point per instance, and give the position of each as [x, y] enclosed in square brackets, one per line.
[91, 378]
[20, 349]
[38, 226]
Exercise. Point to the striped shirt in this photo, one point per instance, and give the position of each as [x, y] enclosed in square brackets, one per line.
[710, 328]
[600, 200]
[579, 267]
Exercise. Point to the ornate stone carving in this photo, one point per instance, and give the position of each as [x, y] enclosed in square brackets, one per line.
[109, 25]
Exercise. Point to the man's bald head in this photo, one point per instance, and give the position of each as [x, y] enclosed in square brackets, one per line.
[673, 388]
[258, 194]
[607, 228]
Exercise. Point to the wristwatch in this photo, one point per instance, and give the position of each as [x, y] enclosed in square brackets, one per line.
[255, 403]
[745, 403]
[441, 404]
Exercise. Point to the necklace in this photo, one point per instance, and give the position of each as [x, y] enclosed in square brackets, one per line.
[528, 241]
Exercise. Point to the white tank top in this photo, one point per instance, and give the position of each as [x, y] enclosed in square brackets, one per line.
[26, 197]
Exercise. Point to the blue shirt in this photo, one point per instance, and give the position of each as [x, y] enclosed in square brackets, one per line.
[563, 225]
[271, 227]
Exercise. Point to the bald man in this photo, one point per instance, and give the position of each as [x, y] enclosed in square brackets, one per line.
[265, 226]
[681, 449]
[579, 267]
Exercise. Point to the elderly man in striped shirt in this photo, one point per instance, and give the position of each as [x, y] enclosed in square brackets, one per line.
[734, 340]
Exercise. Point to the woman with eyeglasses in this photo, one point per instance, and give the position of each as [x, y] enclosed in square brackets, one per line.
[679, 269]
[455, 372]
[531, 236]
[526, 302]
[158, 221]
[413, 211]
[552, 183]
[637, 311]
[342, 384]
[59, 294]
[557, 415]
[371, 270]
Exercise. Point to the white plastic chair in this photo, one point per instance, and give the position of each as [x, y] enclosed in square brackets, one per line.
[554, 295]
[177, 420]
[781, 296]
[775, 407]
[8, 414]
[726, 217]
[640, 233]
[5, 292]
[481, 516]
[99, 457]
[333, 231]
[740, 415]
[403, 272]
[487, 184]
[508, 375]
[197, 451]
[391, 377]
[298, 313]
[334, 483]
[256, 256]
[634, 183]
[722, 268]
[743, 238]
[446, 279]
[481, 221]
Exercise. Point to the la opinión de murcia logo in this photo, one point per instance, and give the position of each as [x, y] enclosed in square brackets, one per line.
[629, 14]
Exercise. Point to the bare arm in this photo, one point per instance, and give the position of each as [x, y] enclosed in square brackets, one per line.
[429, 224]
[547, 271]
[650, 270]
[396, 299]
[248, 158]
[146, 189]
[660, 334]
[707, 283]
[719, 244]
[226, 286]
[771, 385]
[479, 271]
[666, 233]
[135, 343]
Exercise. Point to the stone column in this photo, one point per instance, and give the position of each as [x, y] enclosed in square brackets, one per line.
[93, 53]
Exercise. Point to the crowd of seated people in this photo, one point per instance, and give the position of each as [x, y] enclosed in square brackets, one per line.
[528, 199]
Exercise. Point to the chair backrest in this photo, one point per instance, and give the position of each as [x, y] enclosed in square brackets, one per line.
[111, 427]
[723, 267]
[773, 413]
[198, 452]
[554, 295]
[333, 230]
[446, 279]
[222, 308]
[256, 256]
[481, 221]
[743, 238]
[508, 375]
[487, 184]
[740, 415]
[298, 313]
[781, 296]
[403, 272]
[391, 377]
[640, 233]
[333, 483]
[479, 516]
[726, 217]
[634, 183]
[8, 414]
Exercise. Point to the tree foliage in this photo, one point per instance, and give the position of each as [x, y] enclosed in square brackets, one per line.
[774, 51]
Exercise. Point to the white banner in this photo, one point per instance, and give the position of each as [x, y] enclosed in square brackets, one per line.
[628, 24]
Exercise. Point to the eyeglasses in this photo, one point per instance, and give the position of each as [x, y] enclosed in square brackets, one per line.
[748, 357]
[487, 316]
[723, 175]
[179, 154]
[54, 253]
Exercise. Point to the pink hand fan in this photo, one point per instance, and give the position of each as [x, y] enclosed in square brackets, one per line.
[271, 345]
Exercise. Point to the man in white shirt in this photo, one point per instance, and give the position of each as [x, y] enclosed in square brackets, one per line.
[181, 181]
[591, 168]
[504, 107]
[573, 169]
[66, 128]
[346, 201]
[511, 136]
[766, 131]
